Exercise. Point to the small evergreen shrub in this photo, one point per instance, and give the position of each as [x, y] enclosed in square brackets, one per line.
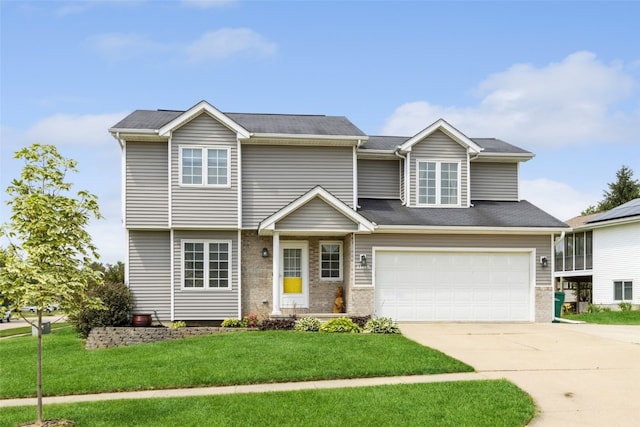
[341, 325]
[625, 306]
[360, 320]
[278, 324]
[178, 324]
[118, 301]
[308, 324]
[382, 325]
[231, 323]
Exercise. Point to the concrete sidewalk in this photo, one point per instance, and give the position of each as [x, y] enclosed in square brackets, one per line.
[579, 375]
[252, 388]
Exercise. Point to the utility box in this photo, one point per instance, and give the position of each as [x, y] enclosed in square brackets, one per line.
[46, 329]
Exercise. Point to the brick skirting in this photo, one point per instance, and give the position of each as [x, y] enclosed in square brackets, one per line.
[108, 337]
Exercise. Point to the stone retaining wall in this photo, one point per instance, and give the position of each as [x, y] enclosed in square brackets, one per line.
[107, 337]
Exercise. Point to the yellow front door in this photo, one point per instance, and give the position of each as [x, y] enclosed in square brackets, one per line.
[294, 274]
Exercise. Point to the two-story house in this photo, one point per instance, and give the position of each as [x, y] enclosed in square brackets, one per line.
[228, 214]
[598, 260]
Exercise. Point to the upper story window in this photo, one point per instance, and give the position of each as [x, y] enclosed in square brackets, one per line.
[331, 260]
[206, 264]
[438, 183]
[204, 166]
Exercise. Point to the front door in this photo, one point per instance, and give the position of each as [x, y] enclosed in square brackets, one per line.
[294, 277]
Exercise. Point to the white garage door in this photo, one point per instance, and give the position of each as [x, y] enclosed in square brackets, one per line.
[453, 286]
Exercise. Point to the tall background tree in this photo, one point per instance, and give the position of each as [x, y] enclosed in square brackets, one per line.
[49, 256]
[623, 190]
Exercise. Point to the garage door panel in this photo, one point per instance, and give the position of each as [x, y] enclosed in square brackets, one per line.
[463, 286]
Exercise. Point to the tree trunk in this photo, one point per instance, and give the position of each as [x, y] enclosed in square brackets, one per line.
[39, 368]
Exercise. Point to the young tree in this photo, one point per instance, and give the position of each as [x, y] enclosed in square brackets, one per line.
[49, 254]
[623, 190]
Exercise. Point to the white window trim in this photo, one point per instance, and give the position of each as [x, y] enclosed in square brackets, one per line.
[438, 183]
[331, 242]
[205, 166]
[623, 281]
[206, 262]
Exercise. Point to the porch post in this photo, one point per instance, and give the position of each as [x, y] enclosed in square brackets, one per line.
[276, 273]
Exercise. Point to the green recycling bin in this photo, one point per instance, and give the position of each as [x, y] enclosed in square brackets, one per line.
[559, 301]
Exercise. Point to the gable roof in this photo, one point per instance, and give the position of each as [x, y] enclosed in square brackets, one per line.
[482, 215]
[268, 225]
[161, 121]
[447, 129]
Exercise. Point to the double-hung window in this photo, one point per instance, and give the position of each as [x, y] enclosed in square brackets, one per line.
[623, 290]
[206, 264]
[331, 260]
[438, 183]
[204, 166]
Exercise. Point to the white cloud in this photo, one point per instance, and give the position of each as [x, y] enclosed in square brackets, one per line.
[116, 46]
[228, 42]
[210, 46]
[556, 198]
[67, 129]
[208, 4]
[572, 102]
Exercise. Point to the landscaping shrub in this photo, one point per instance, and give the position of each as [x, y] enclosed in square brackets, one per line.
[382, 325]
[250, 321]
[360, 320]
[278, 324]
[625, 306]
[341, 324]
[178, 324]
[308, 324]
[118, 301]
[592, 308]
[231, 323]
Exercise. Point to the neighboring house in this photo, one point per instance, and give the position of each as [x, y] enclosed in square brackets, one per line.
[228, 214]
[598, 260]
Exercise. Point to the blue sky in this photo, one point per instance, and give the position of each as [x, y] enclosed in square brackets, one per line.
[560, 79]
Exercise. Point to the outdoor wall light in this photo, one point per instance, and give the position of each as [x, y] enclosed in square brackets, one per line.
[544, 261]
[363, 260]
[265, 252]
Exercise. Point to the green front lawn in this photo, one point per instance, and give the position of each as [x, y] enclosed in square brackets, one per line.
[220, 359]
[608, 317]
[471, 403]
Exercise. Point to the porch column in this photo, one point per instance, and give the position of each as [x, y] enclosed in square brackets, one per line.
[276, 273]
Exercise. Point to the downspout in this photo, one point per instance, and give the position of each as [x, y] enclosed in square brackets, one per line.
[172, 256]
[123, 198]
[404, 170]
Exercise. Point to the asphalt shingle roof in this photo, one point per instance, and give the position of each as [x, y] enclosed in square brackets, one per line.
[481, 214]
[295, 124]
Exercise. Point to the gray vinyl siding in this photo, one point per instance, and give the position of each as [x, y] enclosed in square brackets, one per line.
[146, 192]
[365, 243]
[379, 179]
[276, 175]
[149, 270]
[316, 215]
[494, 181]
[439, 147]
[204, 206]
[205, 304]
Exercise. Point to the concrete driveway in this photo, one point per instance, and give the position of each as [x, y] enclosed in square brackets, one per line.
[579, 375]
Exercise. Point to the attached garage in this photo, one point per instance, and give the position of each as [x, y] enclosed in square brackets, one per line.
[454, 285]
